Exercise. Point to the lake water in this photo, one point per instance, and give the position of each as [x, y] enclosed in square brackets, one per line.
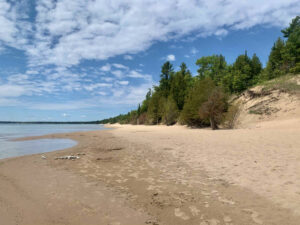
[10, 148]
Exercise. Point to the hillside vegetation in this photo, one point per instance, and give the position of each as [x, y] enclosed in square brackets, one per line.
[207, 99]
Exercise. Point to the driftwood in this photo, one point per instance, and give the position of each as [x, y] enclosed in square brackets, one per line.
[72, 157]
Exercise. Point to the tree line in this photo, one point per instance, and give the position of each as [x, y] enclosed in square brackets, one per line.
[202, 100]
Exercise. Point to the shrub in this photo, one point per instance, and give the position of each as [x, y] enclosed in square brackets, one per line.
[213, 108]
[231, 116]
[170, 113]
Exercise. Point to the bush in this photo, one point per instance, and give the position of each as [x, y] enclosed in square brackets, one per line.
[231, 116]
[213, 108]
[142, 118]
[196, 97]
[170, 113]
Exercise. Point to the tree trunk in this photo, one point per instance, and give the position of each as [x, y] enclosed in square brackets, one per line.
[213, 123]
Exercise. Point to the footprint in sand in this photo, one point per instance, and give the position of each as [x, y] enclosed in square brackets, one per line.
[227, 219]
[194, 210]
[180, 214]
[226, 201]
[206, 204]
[206, 194]
[254, 216]
[210, 222]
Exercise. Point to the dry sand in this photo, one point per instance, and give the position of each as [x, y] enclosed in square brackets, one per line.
[159, 175]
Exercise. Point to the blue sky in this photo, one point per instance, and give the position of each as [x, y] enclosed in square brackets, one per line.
[63, 60]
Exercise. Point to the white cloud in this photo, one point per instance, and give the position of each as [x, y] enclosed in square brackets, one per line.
[170, 57]
[118, 73]
[135, 74]
[120, 66]
[123, 82]
[102, 93]
[65, 32]
[8, 90]
[92, 87]
[194, 51]
[105, 68]
[70, 105]
[128, 57]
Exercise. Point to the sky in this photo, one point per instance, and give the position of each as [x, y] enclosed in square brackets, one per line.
[63, 60]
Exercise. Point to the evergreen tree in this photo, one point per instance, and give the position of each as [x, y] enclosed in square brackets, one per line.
[145, 104]
[179, 85]
[242, 73]
[156, 108]
[275, 63]
[245, 72]
[291, 53]
[294, 26]
[164, 83]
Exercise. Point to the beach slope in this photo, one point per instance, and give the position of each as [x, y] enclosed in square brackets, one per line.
[159, 175]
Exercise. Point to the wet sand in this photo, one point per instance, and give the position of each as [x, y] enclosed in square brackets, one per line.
[159, 175]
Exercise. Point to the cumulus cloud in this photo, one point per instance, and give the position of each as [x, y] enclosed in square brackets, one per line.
[106, 68]
[170, 57]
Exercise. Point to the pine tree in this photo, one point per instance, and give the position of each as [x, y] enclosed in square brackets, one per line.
[164, 83]
[275, 65]
[242, 73]
[291, 53]
[179, 85]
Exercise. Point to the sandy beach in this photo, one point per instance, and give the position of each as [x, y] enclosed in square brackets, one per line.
[174, 175]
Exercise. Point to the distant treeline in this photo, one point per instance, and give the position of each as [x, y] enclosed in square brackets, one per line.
[202, 100]
[42, 122]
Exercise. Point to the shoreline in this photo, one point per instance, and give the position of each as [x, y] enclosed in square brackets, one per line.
[156, 175]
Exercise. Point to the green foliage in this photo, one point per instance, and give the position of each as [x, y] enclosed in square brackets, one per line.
[196, 97]
[285, 56]
[245, 72]
[284, 83]
[294, 25]
[145, 104]
[214, 107]
[275, 63]
[179, 85]
[155, 109]
[292, 51]
[165, 76]
[212, 66]
[170, 112]
[200, 100]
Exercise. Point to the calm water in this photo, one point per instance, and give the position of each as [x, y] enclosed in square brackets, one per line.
[10, 131]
